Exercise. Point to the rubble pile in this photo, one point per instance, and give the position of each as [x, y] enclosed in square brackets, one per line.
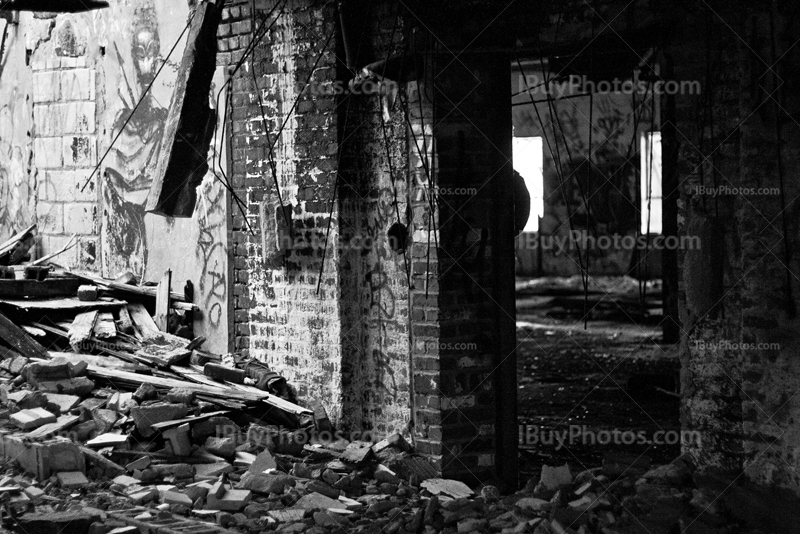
[123, 424]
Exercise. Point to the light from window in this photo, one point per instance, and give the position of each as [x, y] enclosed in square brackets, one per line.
[528, 162]
[651, 182]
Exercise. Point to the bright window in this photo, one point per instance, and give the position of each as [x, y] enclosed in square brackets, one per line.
[528, 162]
[651, 182]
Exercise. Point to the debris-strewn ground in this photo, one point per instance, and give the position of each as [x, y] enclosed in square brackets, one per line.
[612, 376]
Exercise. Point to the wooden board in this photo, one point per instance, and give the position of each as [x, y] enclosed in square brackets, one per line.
[162, 302]
[51, 287]
[125, 321]
[183, 163]
[105, 328]
[19, 340]
[81, 329]
[221, 392]
[109, 362]
[67, 304]
[142, 320]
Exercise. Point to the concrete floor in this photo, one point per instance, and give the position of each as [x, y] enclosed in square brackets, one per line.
[613, 375]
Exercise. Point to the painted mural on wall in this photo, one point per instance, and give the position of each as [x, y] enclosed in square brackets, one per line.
[133, 57]
[139, 36]
[129, 168]
[597, 184]
[17, 208]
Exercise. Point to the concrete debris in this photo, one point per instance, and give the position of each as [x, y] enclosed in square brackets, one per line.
[155, 448]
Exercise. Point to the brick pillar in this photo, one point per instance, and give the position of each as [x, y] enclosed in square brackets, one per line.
[463, 333]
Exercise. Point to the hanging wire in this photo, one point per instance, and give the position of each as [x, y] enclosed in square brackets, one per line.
[265, 124]
[392, 176]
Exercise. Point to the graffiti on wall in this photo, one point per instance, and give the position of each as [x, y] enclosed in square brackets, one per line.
[132, 161]
[590, 183]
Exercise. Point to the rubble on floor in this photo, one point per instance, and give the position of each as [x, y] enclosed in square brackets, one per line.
[153, 435]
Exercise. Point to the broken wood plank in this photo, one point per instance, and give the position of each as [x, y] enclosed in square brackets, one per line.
[19, 340]
[182, 162]
[105, 328]
[109, 362]
[196, 419]
[6, 353]
[214, 392]
[13, 250]
[142, 320]
[162, 302]
[148, 292]
[81, 329]
[64, 304]
[51, 287]
[125, 323]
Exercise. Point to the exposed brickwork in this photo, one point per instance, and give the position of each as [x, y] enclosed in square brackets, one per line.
[457, 339]
[279, 316]
[65, 147]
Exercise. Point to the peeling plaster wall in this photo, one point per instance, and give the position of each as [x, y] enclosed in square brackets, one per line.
[17, 173]
[69, 84]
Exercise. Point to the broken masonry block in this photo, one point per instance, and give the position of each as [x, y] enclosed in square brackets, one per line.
[121, 402]
[451, 488]
[321, 420]
[138, 464]
[104, 419]
[146, 416]
[64, 403]
[57, 522]
[313, 500]
[145, 392]
[55, 369]
[234, 500]
[176, 497]
[88, 293]
[357, 452]
[108, 440]
[71, 479]
[42, 459]
[395, 440]
[32, 418]
[80, 386]
[225, 447]
[26, 399]
[179, 439]
[266, 483]
[263, 461]
[222, 373]
[181, 396]
[277, 232]
[212, 470]
[179, 471]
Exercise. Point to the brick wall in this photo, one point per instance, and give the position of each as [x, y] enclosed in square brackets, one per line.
[462, 324]
[279, 315]
[65, 143]
[739, 293]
